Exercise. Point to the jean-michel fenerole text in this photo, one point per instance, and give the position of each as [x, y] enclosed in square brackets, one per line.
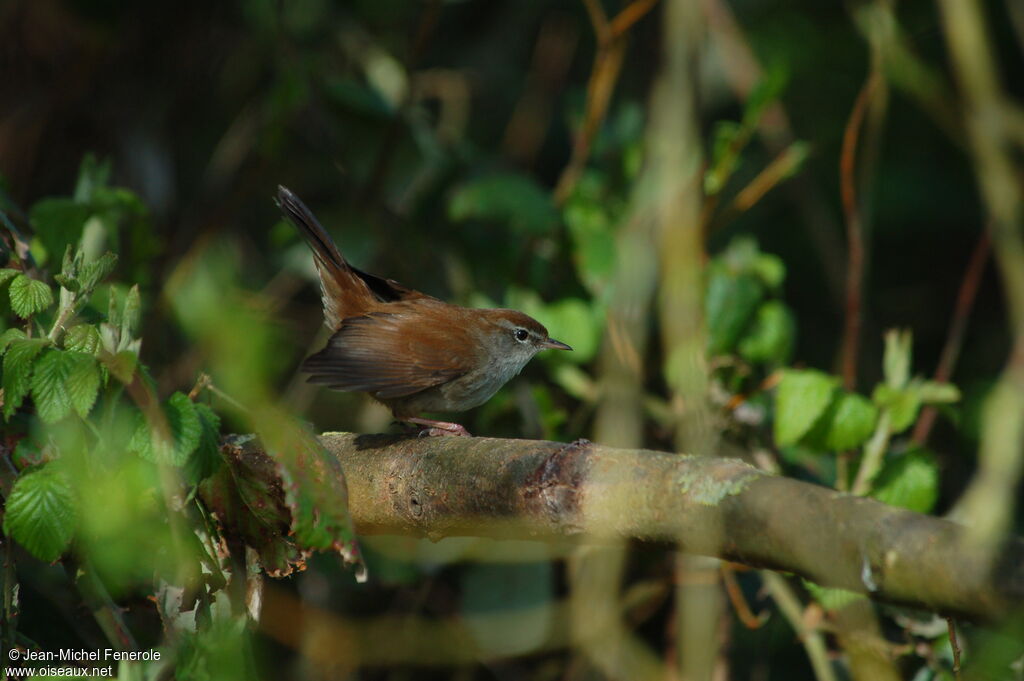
[79, 655]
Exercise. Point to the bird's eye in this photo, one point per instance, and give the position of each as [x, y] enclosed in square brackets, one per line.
[521, 335]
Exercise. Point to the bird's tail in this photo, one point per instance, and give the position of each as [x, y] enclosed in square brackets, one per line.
[345, 294]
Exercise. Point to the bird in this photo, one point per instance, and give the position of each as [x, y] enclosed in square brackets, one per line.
[408, 350]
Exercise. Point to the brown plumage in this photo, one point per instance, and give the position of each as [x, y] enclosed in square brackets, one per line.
[409, 350]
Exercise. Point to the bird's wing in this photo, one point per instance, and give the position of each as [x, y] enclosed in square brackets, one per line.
[388, 290]
[392, 354]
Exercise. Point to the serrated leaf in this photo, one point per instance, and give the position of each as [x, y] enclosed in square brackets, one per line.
[185, 430]
[49, 385]
[933, 392]
[8, 337]
[909, 481]
[18, 371]
[770, 338]
[67, 282]
[82, 338]
[802, 396]
[96, 271]
[29, 296]
[83, 383]
[206, 459]
[847, 423]
[8, 273]
[729, 304]
[40, 513]
[831, 598]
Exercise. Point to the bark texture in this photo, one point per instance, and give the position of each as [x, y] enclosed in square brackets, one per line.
[454, 486]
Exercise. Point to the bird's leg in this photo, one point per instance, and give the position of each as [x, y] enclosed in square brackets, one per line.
[433, 428]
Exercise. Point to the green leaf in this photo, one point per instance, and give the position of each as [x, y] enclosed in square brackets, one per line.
[82, 338]
[933, 392]
[49, 385]
[507, 197]
[802, 396]
[770, 269]
[29, 296]
[729, 303]
[8, 273]
[909, 481]
[40, 513]
[770, 339]
[185, 430]
[593, 239]
[8, 337]
[847, 423]
[831, 598]
[206, 459]
[18, 371]
[131, 313]
[83, 383]
[897, 358]
[576, 323]
[902, 404]
[98, 270]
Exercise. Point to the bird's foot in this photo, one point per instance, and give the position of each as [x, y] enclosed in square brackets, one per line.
[431, 428]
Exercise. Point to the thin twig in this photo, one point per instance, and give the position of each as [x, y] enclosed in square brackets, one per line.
[957, 329]
[739, 602]
[792, 609]
[779, 169]
[612, 37]
[854, 230]
[204, 381]
[955, 645]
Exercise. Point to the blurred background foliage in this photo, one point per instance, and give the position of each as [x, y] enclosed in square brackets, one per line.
[440, 144]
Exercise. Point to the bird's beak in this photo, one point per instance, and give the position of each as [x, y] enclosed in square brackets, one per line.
[552, 344]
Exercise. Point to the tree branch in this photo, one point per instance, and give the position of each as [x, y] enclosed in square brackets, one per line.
[439, 487]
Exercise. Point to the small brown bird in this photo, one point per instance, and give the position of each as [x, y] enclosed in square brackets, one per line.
[410, 351]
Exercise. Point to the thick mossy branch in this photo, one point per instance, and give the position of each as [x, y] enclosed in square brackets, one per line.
[440, 487]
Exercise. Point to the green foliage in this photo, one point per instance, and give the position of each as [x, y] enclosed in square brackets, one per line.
[742, 316]
[910, 481]
[513, 199]
[29, 296]
[17, 368]
[82, 338]
[731, 137]
[315, 491]
[592, 215]
[771, 336]
[847, 423]
[830, 598]
[40, 512]
[181, 438]
[802, 397]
